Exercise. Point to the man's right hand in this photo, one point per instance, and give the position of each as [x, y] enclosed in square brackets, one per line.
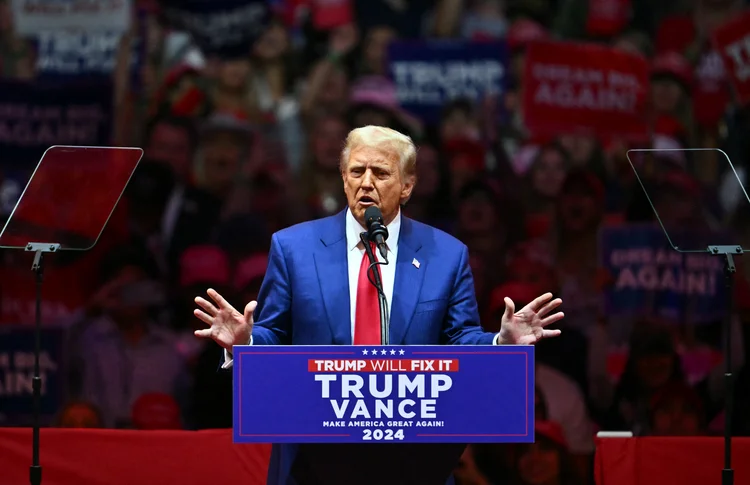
[227, 326]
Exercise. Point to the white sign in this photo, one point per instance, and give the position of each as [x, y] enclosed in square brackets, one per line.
[32, 17]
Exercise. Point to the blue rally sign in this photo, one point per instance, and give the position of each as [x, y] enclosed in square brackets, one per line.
[429, 74]
[409, 394]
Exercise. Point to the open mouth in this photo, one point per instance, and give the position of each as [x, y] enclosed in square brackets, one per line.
[365, 200]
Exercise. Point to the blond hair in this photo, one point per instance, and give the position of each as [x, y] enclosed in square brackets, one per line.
[383, 139]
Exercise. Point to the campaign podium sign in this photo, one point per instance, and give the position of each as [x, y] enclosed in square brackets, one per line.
[386, 394]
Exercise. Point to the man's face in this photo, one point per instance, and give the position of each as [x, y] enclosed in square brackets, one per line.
[428, 172]
[458, 124]
[222, 159]
[171, 145]
[372, 177]
[327, 141]
[578, 210]
[476, 214]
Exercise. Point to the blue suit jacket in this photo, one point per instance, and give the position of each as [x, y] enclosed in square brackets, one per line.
[304, 298]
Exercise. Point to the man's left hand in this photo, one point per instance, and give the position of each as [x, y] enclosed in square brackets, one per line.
[526, 326]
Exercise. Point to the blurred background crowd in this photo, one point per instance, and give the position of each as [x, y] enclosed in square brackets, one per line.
[242, 136]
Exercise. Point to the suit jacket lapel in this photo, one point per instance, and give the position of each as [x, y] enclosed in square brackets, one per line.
[333, 275]
[408, 284]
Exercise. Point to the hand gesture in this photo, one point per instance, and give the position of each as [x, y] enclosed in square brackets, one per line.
[228, 327]
[526, 326]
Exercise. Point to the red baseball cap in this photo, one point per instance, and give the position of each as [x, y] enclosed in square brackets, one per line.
[673, 64]
[250, 269]
[204, 264]
[523, 32]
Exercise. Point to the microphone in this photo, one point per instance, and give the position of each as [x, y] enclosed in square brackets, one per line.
[376, 230]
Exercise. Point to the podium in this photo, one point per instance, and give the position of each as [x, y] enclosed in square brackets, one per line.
[381, 414]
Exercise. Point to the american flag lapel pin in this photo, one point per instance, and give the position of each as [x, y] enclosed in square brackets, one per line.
[415, 263]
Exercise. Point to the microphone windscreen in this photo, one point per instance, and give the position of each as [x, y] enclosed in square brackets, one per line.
[373, 214]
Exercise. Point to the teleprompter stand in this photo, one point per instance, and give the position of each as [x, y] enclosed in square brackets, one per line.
[728, 252]
[694, 231]
[35, 471]
[65, 206]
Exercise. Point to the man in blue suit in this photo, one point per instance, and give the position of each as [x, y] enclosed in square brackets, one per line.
[316, 290]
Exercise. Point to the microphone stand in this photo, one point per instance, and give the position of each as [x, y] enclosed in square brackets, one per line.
[378, 284]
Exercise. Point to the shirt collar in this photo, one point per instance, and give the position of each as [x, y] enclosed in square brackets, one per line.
[354, 229]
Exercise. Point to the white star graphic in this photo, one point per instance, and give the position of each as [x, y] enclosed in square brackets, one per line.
[374, 352]
[393, 352]
[364, 352]
[382, 352]
[401, 352]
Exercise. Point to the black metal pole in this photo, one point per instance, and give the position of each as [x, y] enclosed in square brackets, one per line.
[382, 301]
[727, 474]
[35, 472]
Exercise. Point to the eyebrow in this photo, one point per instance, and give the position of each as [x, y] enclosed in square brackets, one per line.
[381, 164]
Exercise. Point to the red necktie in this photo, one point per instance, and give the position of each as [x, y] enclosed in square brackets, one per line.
[367, 314]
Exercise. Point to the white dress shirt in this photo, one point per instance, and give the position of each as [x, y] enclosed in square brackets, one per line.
[355, 252]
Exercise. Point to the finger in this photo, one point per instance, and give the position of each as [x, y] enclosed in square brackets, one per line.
[550, 333]
[549, 307]
[206, 332]
[209, 320]
[556, 317]
[249, 309]
[539, 301]
[207, 306]
[510, 308]
[215, 296]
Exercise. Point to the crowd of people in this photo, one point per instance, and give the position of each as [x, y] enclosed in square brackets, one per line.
[235, 150]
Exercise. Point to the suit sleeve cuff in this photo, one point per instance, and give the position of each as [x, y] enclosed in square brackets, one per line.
[229, 359]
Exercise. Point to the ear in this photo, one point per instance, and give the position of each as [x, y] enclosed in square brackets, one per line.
[407, 188]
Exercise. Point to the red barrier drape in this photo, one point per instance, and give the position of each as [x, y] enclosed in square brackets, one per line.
[124, 457]
[119, 457]
[669, 461]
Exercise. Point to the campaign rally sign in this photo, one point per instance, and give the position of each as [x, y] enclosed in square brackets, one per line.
[428, 74]
[35, 116]
[63, 55]
[416, 394]
[651, 279]
[225, 28]
[35, 16]
[573, 86]
[732, 40]
[17, 371]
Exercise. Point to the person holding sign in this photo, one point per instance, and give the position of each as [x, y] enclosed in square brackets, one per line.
[316, 290]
